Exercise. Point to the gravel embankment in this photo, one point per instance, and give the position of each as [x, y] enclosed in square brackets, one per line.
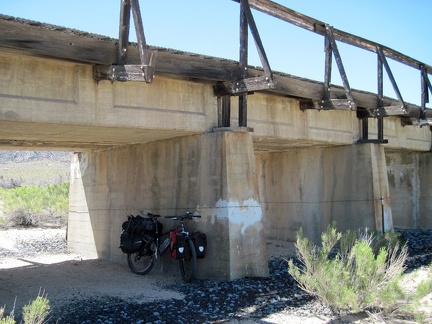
[207, 301]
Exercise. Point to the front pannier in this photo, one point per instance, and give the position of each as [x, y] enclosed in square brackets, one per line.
[178, 245]
[129, 242]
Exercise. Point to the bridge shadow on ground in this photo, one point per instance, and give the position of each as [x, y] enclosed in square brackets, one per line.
[66, 280]
[94, 290]
[99, 291]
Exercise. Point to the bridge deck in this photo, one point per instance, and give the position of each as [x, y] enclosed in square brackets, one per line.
[276, 115]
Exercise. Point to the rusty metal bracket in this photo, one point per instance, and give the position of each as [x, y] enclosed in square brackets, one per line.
[122, 71]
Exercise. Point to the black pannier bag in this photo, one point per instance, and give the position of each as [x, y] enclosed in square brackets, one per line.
[145, 225]
[178, 245]
[130, 242]
[200, 242]
[130, 239]
[133, 230]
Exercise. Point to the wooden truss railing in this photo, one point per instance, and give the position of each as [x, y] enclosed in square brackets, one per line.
[331, 36]
[242, 85]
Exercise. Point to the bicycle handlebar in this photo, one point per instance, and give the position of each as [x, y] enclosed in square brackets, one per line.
[153, 215]
[188, 215]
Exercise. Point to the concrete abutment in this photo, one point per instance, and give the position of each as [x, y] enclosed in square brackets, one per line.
[212, 173]
[244, 196]
[311, 188]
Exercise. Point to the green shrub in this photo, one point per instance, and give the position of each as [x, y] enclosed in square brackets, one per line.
[37, 311]
[34, 313]
[28, 204]
[347, 275]
[8, 319]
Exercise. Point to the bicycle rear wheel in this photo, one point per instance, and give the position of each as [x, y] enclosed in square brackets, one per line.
[142, 261]
[188, 264]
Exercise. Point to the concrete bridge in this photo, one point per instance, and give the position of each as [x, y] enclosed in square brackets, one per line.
[302, 156]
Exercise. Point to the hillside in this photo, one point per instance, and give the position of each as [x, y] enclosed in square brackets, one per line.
[33, 167]
[30, 156]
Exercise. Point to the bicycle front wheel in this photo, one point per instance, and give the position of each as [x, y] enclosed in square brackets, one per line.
[188, 264]
[142, 261]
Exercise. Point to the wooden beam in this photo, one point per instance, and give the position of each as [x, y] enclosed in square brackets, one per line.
[254, 31]
[278, 11]
[25, 37]
[248, 85]
[125, 10]
[391, 77]
[334, 48]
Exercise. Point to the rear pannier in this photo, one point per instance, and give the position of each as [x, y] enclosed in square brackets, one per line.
[200, 242]
[178, 245]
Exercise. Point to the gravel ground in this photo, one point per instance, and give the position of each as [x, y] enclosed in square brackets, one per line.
[114, 295]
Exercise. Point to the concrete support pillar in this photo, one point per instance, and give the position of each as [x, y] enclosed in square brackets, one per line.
[211, 173]
[410, 176]
[310, 188]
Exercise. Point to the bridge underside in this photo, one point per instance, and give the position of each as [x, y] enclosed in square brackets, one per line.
[162, 146]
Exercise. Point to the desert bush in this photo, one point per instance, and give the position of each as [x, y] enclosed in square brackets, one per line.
[27, 205]
[346, 273]
[34, 313]
[8, 319]
[37, 311]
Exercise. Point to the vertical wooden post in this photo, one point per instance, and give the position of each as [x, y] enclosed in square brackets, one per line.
[243, 64]
[225, 120]
[424, 91]
[380, 98]
[125, 10]
[365, 128]
[328, 67]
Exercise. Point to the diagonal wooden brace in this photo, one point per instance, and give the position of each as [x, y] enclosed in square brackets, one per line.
[123, 71]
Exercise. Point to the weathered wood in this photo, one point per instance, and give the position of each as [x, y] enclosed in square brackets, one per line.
[327, 104]
[226, 112]
[121, 73]
[328, 67]
[391, 77]
[278, 11]
[31, 38]
[125, 10]
[243, 86]
[340, 66]
[147, 59]
[254, 31]
[243, 65]
[395, 110]
[425, 88]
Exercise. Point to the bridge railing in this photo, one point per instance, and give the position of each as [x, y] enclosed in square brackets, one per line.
[332, 35]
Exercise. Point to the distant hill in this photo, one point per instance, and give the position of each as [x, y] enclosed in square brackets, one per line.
[33, 167]
[30, 156]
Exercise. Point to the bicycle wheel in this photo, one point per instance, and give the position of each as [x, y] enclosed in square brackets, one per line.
[142, 261]
[189, 263]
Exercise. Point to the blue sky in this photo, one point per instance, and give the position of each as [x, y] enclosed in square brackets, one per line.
[211, 27]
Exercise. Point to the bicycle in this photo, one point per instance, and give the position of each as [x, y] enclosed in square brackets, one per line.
[153, 246]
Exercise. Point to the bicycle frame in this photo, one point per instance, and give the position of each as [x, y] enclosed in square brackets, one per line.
[155, 245]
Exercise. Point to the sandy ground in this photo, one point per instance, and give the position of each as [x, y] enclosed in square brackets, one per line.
[67, 277]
